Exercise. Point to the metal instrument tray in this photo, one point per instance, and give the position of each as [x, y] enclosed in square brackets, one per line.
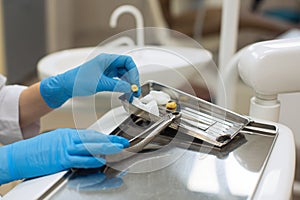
[181, 162]
[199, 118]
[189, 168]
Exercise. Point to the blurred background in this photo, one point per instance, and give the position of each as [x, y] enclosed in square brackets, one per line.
[32, 29]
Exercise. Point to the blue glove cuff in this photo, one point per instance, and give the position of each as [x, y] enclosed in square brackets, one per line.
[52, 93]
[7, 169]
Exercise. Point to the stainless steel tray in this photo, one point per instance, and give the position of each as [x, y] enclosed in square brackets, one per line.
[201, 171]
[199, 118]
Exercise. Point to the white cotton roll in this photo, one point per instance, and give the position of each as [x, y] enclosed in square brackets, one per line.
[150, 107]
[160, 97]
[136, 102]
[146, 99]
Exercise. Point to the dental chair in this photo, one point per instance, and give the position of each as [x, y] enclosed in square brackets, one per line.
[270, 68]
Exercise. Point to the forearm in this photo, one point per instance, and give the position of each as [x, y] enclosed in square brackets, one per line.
[31, 106]
[54, 91]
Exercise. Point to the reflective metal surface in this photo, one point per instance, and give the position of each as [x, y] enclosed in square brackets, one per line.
[176, 166]
[139, 141]
[200, 119]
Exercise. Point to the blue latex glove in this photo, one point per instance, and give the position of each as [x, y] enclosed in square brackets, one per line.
[55, 151]
[106, 72]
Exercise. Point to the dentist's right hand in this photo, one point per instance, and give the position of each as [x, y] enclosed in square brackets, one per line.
[105, 72]
[55, 151]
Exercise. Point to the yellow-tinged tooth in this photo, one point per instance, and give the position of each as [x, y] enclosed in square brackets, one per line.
[171, 105]
[134, 88]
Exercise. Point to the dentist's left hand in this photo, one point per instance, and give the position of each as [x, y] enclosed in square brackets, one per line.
[106, 72]
[55, 151]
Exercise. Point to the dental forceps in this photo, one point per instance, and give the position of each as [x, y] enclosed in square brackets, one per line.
[149, 134]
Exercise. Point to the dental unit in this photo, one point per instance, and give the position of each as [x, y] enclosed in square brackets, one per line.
[181, 146]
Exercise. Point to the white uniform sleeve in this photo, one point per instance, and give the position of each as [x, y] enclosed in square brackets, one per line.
[10, 130]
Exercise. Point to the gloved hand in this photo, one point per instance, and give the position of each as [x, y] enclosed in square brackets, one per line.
[106, 72]
[55, 151]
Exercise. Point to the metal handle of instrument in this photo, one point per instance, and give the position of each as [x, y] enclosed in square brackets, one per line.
[150, 134]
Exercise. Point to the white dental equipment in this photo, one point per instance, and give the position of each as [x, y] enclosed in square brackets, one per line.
[270, 68]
